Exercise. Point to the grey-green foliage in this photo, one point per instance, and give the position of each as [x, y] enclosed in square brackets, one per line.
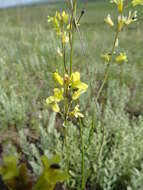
[31, 152]
[119, 163]
[12, 109]
[136, 179]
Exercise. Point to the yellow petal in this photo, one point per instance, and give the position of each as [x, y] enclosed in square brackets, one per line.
[58, 94]
[65, 38]
[76, 94]
[58, 78]
[137, 2]
[50, 100]
[122, 57]
[82, 86]
[65, 17]
[58, 15]
[59, 52]
[108, 20]
[80, 115]
[75, 77]
[106, 57]
[120, 6]
[55, 107]
[76, 112]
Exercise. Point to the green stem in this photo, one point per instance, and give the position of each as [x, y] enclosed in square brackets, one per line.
[107, 68]
[64, 58]
[73, 14]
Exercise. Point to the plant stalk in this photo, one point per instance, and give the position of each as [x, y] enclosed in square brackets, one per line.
[107, 68]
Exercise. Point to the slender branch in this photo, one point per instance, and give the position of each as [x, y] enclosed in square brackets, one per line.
[107, 68]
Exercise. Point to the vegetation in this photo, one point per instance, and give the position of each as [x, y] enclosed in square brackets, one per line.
[100, 144]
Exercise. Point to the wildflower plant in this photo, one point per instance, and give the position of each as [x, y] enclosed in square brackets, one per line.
[122, 21]
[69, 86]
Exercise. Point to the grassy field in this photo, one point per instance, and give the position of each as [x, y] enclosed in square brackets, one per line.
[28, 58]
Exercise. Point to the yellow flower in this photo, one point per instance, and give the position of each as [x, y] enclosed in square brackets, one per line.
[59, 52]
[75, 78]
[122, 57]
[76, 94]
[56, 22]
[65, 38]
[58, 94]
[132, 17]
[58, 78]
[117, 42]
[108, 20]
[58, 16]
[76, 112]
[50, 19]
[120, 4]
[53, 100]
[106, 57]
[77, 85]
[65, 17]
[137, 2]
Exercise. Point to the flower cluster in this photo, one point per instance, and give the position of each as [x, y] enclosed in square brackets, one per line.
[137, 2]
[61, 24]
[71, 89]
[122, 21]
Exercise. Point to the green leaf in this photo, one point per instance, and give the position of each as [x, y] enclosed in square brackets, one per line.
[51, 175]
[9, 169]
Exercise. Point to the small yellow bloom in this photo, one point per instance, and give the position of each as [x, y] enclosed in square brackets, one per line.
[55, 107]
[76, 112]
[58, 16]
[120, 4]
[65, 38]
[69, 26]
[108, 20]
[55, 22]
[106, 57]
[137, 2]
[59, 52]
[76, 94]
[65, 17]
[122, 57]
[58, 78]
[132, 17]
[75, 78]
[50, 19]
[117, 43]
[58, 94]
[76, 84]
[51, 101]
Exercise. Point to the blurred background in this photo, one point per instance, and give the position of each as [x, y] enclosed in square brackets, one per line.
[13, 3]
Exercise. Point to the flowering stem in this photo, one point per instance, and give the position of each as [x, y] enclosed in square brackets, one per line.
[107, 68]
